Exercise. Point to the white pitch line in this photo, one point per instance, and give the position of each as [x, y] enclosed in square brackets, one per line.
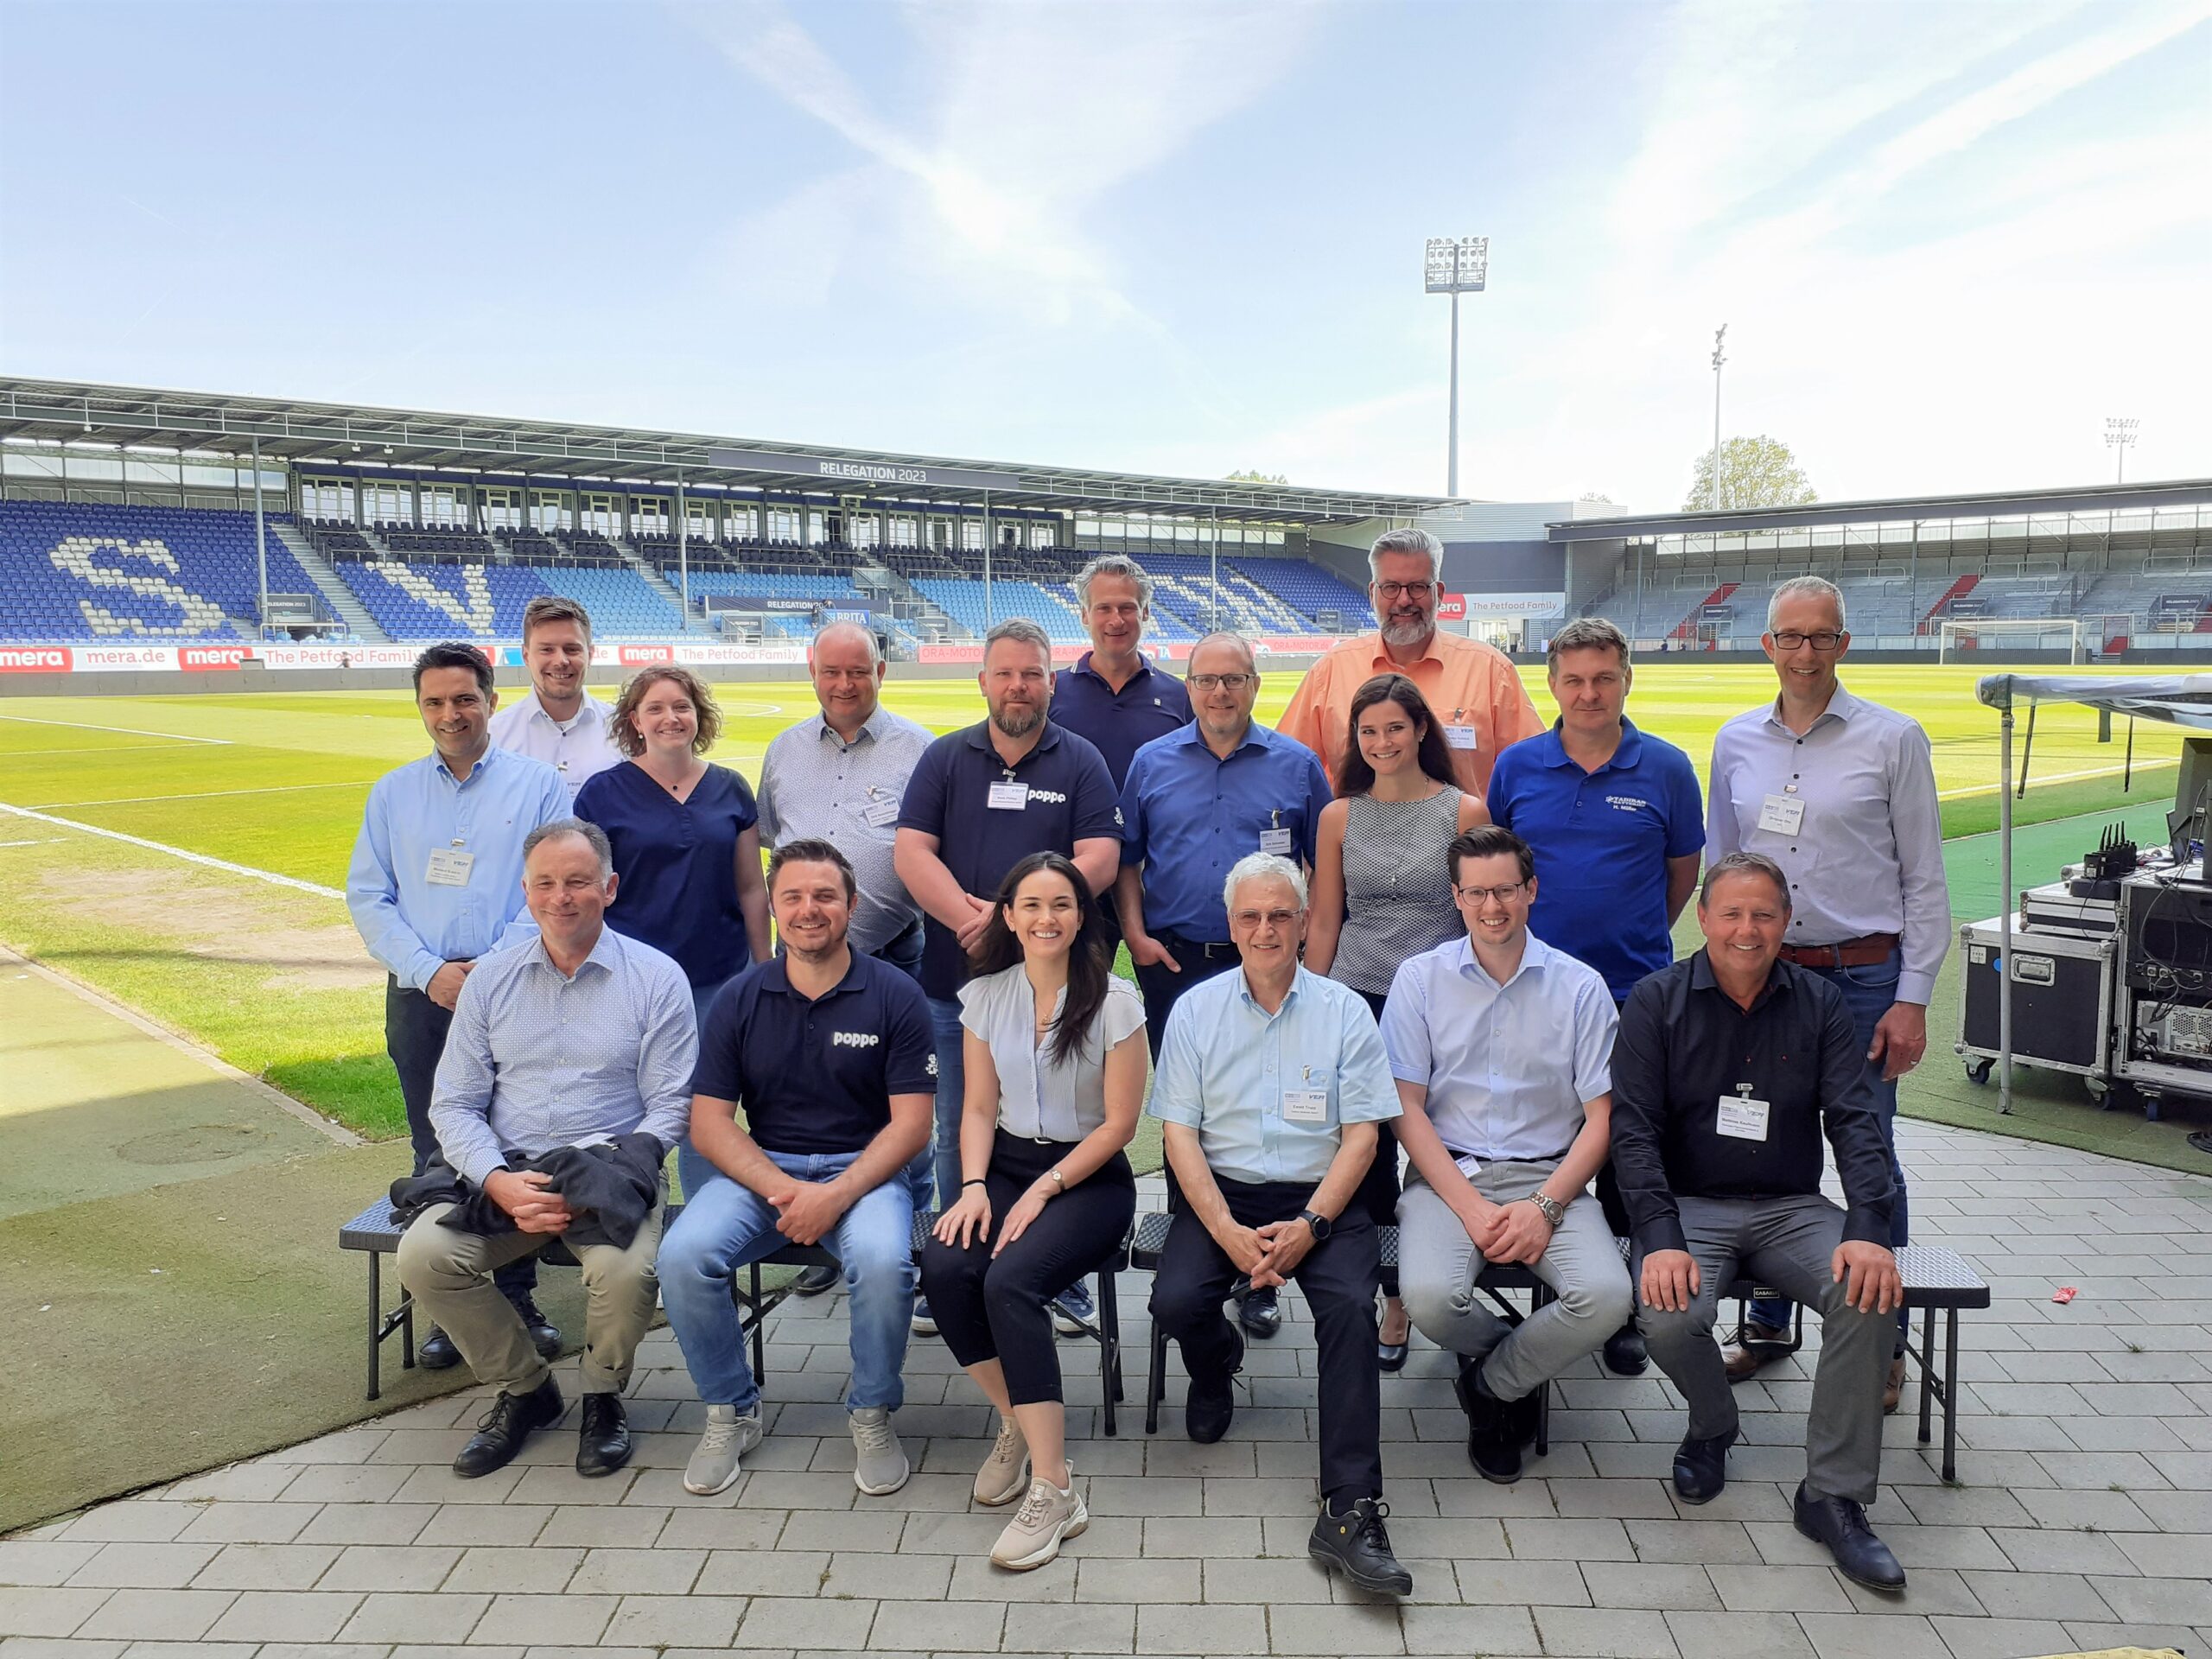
[135, 731]
[2058, 777]
[204, 795]
[36, 841]
[224, 865]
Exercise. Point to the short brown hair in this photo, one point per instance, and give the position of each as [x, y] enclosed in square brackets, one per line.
[1489, 841]
[634, 693]
[553, 608]
[813, 852]
[1744, 863]
[1587, 633]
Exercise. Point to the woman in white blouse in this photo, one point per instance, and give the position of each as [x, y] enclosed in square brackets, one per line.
[1056, 1058]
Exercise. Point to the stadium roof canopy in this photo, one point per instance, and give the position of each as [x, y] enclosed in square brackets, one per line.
[1924, 509]
[344, 435]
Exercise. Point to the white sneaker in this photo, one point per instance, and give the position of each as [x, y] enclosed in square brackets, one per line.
[1005, 1473]
[880, 1463]
[1046, 1516]
[713, 1465]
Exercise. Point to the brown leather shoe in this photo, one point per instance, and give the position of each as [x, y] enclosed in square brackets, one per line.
[1743, 1360]
[1893, 1389]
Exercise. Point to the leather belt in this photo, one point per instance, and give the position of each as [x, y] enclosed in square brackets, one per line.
[1205, 949]
[1867, 952]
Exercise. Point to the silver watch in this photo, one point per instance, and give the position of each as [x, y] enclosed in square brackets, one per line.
[1554, 1211]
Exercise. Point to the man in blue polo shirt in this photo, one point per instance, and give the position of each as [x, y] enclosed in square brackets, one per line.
[828, 1052]
[1617, 823]
[1113, 695]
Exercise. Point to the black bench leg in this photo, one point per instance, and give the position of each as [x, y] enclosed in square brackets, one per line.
[376, 1318]
[1155, 1384]
[759, 1350]
[1929, 1387]
[1950, 1393]
[1109, 1349]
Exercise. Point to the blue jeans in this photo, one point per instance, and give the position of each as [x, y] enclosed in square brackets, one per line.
[951, 1084]
[724, 1226]
[904, 953]
[1868, 992]
[693, 1172]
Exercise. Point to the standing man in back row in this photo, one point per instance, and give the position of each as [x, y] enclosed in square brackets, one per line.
[1113, 695]
[1841, 794]
[557, 721]
[1474, 690]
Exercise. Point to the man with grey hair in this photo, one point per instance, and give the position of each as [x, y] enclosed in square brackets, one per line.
[1472, 687]
[1113, 695]
[979, 801]
[1841, 794]
[1271, 1083]
[565, 1081]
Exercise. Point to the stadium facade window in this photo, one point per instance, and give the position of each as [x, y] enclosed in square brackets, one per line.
[602, 515]
[1042, 536]
[326, 498]
[971, 534]
[904, 530]
[818, 526]
[742, 522]
[782, 524]
[385, 502]
[17, 463]
[550, 510]
[502, 507]
[649, 515]
[865, 531]
[699, 521]
[442, 506]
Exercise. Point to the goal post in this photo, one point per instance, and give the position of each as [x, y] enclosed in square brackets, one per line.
[1989, 639]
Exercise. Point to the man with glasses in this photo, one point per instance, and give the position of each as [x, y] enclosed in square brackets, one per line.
[1271, 1082]
[1841, 794]
[1503, 1049]
[1471, 685]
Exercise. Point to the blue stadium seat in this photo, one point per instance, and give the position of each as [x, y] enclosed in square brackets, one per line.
[77, 571]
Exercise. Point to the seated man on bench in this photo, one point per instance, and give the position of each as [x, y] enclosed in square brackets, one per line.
[566, 1077]
[1729, 1067]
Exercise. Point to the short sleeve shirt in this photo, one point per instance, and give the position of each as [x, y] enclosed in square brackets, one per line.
[817, 1076]
[677, 862]
[1152, 703]
[988, 816]
[1039, 1097]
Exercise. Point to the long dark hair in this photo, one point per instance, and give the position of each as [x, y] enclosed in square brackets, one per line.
[996, 950]
[1354, 775]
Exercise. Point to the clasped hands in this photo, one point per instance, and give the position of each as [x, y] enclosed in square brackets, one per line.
[1268, 1255]
[1515, 1232]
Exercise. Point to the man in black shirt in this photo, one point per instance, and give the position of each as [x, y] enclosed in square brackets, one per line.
[1728, 1069]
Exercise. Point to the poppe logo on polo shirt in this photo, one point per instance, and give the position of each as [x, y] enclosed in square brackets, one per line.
[1051, 797]
[854, 1040]
[1628, 803]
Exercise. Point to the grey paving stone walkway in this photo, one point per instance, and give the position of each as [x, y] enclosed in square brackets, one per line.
[2084, 1519]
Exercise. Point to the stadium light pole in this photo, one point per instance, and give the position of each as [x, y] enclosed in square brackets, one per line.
[1719, 334]
[260, 540]
[1455, 265]
[2119, 433]
[684, 553]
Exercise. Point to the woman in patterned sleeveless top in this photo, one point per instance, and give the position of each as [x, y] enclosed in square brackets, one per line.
[1382, 892]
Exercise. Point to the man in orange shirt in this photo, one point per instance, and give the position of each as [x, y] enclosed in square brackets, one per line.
[1471, 686]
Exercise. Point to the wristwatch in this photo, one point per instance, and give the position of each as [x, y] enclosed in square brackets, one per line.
[1321, 1226]
[1554, 1211]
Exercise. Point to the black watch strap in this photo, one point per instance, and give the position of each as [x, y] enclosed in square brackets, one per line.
[1320, 1225]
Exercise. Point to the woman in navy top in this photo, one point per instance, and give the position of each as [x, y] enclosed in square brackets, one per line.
[687, 850]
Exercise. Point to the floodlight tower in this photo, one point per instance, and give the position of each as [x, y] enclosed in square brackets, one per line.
[1719, 334]
[1456, 265]
[2119, 433]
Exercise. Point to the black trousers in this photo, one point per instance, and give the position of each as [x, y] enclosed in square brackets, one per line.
[1338, 1279]
[1378, 1188]
[1163, 988]
[415, 1036]
[989, 1308]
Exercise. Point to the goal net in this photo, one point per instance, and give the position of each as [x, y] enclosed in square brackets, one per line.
[1988, 639]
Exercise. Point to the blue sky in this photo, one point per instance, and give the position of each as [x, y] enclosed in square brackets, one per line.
[1948, 240]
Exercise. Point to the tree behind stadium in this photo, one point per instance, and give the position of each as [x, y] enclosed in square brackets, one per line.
[1756, 472]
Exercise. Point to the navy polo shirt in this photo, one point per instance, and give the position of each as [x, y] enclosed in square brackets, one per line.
[678, 862]
[1187, 815]
[1119, 723]
[817, 1076]
[1602, 840]
[1070, 797]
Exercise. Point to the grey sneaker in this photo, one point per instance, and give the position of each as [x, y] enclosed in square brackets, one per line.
[714, 1467]
[1006, 1471]
[1046, 1515]
[880, 1463]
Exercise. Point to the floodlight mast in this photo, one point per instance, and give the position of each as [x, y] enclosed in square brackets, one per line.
[2119, 433]
[1713, 494]
[1456, 265]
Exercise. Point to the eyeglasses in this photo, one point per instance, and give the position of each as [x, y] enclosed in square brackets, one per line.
[1825, 639]
[1475, 895]
[1251, 919]
[1226, 682]
[1410, 589]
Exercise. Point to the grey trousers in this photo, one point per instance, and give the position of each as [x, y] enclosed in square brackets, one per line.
[1438, 1265]
[449, 1272]
[1787, 1242]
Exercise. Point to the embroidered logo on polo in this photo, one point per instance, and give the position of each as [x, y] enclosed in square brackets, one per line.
[1627, 803]
[1051, 796]
[854, 1040]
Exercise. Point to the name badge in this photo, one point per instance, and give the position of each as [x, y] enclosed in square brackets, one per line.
[1782, 814]
[882, 814]
[449, 868]
[1743, 1118]
[1305, 1105]
[1009, 797]
[1460, 737]
[1275, 840]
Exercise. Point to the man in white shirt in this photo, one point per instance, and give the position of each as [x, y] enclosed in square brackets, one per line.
[557, 722]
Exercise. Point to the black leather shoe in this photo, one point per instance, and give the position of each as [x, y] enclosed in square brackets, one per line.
[1701, 1467]
[501, 1431]
[437, 1352]
[1625, 1354]
[1390, 1355]
[814, 1280]
[1356, 1544]
[1212, 1400]
[1493, 1436]
[602, 1436]
[1841, 1525]
[545, 1335]
[1259, 1313]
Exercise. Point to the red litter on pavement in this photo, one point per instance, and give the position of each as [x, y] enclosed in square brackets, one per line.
[2065, 1294]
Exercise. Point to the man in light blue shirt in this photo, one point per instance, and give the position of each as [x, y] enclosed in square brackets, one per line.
[1503, 1051]
[1271, 1082]
[567, 1078]
[557, 721]
[436, 876]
